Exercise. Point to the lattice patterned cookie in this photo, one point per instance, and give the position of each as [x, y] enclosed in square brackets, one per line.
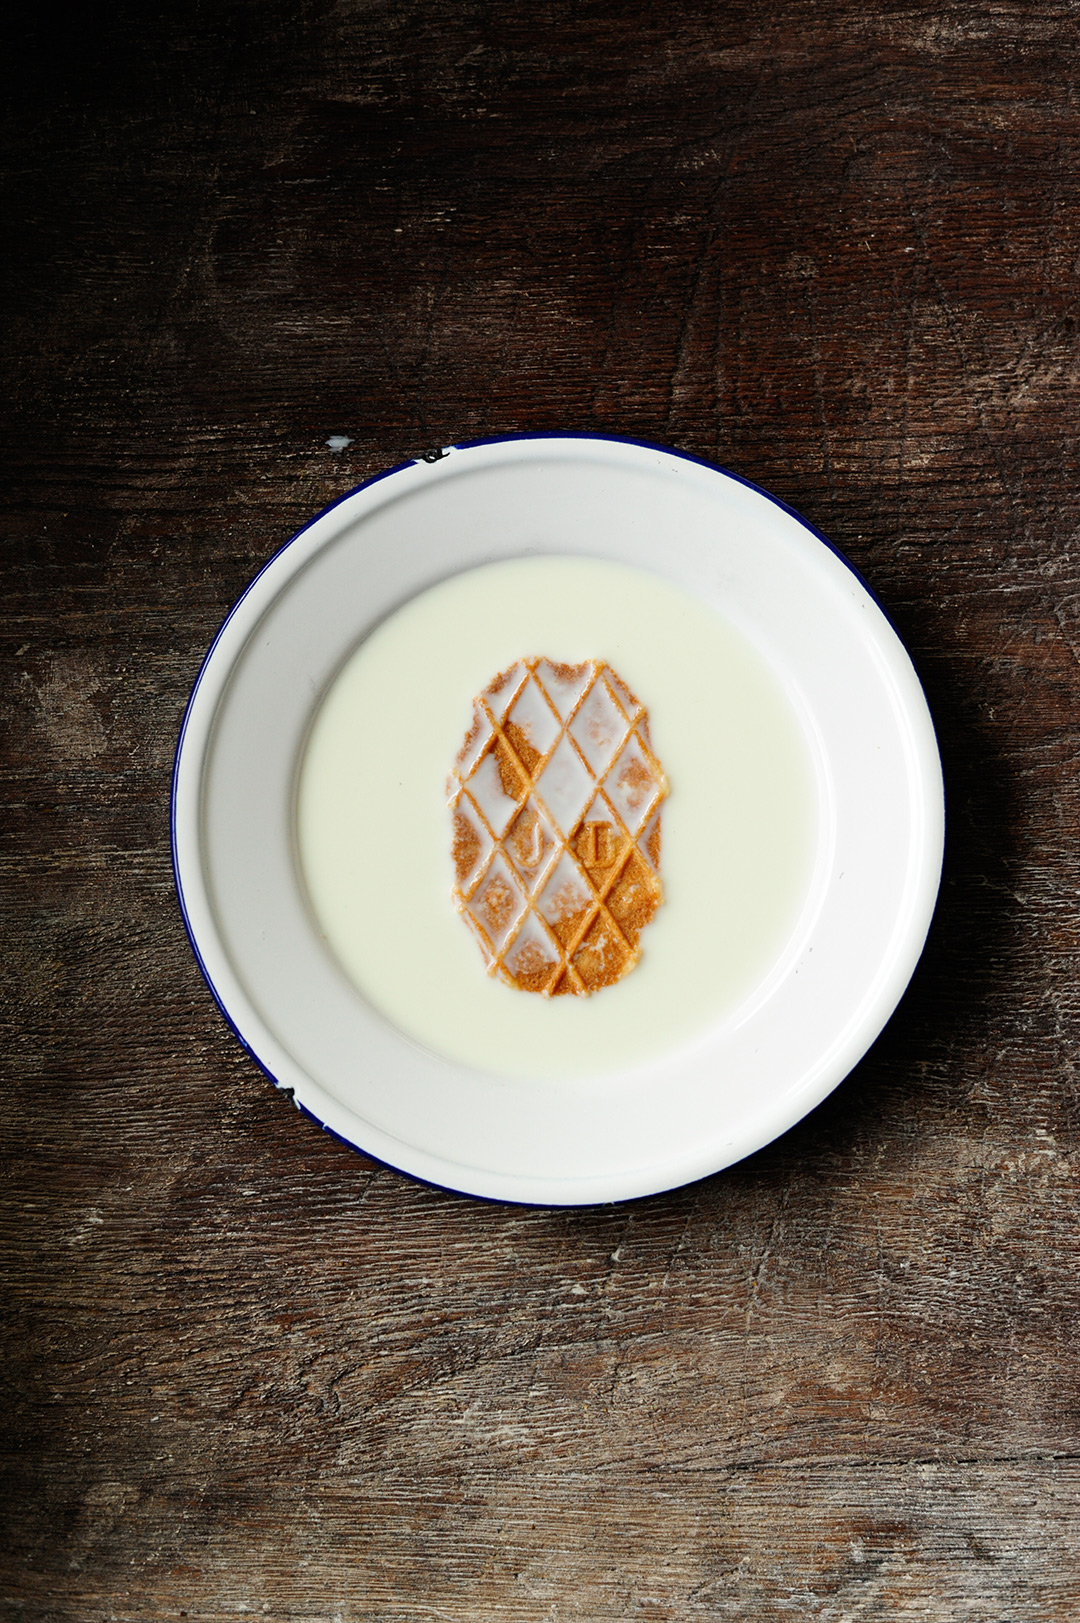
[555, 797]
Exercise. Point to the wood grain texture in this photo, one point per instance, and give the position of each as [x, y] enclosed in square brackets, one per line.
[251, 1373]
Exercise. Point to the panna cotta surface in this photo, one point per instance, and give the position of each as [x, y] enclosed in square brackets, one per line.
[741, 816]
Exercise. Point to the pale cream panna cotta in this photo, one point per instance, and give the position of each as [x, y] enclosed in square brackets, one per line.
[741, 832]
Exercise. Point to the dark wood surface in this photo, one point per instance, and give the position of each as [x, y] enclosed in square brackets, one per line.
[832, 247]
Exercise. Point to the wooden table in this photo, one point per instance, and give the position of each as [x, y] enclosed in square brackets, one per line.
[832, 247]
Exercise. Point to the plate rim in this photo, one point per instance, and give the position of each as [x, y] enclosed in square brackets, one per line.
[644, 1186]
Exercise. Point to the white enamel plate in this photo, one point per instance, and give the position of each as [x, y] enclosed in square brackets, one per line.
[801, 836]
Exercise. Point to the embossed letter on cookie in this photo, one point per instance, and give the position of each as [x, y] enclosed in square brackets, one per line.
[556, 798]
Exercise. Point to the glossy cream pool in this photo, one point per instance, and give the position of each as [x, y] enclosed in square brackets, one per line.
[741, 824]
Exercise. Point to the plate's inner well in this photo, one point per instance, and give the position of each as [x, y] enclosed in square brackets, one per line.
[741, 817]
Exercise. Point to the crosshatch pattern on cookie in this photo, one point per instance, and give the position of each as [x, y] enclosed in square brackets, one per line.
[555, 797]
